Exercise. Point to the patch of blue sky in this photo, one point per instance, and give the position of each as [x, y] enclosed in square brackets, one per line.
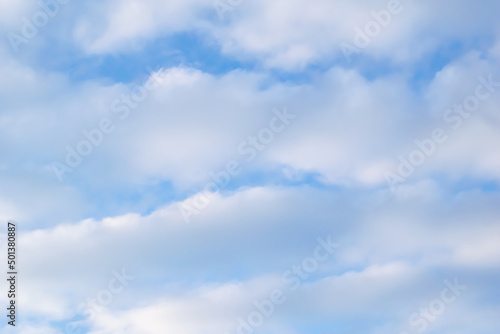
[254, 177]
[427, 67]
[75, 325]
[106, 200]
[321, 324]
[189, 49]
[469, 183]
[423, 70]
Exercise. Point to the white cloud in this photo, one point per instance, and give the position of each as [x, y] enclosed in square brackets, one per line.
[290, 34]
[393, 247]
[350, 128]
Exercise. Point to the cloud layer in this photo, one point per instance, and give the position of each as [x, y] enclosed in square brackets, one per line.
[118, 115]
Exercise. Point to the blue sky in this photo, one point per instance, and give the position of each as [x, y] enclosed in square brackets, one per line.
[285, 167]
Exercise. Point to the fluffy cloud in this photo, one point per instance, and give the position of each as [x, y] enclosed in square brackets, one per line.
[293, 34]
[394, 250]
[347, 129]
[154, 142]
